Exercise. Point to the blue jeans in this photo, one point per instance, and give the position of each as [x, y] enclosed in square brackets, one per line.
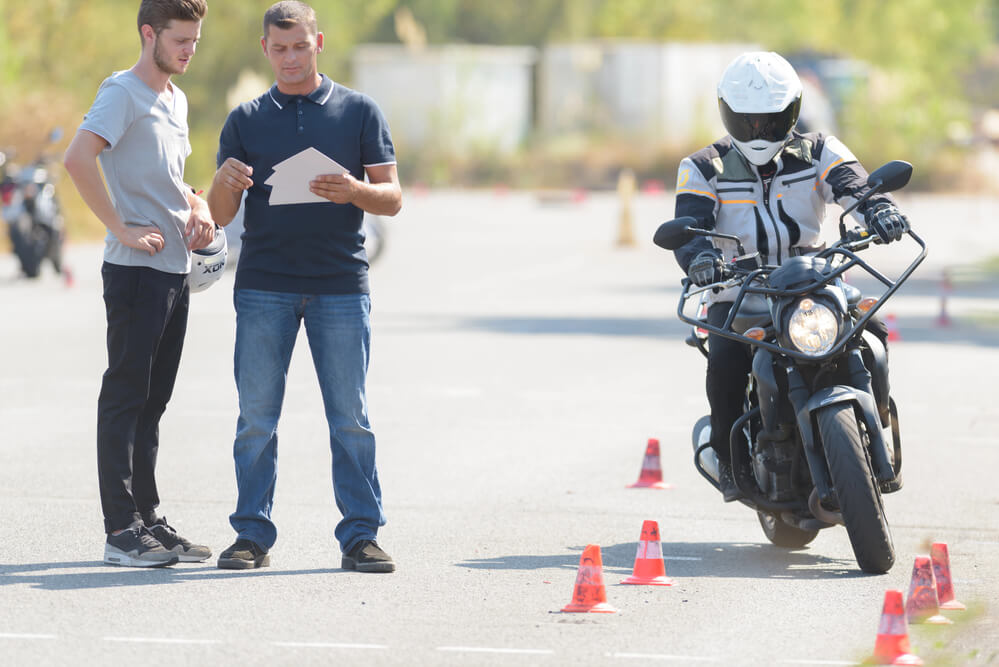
[339, 335]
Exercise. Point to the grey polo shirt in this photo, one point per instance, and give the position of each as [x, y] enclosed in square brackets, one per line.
[144, 166]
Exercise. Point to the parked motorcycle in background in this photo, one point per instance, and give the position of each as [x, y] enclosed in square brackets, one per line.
[32, 212]
[819, 441]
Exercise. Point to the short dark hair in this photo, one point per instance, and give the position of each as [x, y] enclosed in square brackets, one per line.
[289, 13]
[159, 13]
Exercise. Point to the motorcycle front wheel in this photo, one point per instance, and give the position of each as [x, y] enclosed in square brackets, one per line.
[856, 489]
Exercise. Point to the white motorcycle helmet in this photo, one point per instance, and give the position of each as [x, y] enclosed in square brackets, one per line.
[759, 97]
[208, 264]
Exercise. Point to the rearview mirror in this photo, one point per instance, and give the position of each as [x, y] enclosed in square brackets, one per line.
[675, 233]
[894, 175]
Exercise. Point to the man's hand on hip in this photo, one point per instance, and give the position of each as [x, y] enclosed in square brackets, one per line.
[142, 237]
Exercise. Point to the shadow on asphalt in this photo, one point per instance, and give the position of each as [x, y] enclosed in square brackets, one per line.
[108, 576]
[741, 560]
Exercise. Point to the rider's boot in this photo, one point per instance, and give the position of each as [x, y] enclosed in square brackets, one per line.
[726, 481]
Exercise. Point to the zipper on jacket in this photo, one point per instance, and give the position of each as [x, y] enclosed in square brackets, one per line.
[767, 184]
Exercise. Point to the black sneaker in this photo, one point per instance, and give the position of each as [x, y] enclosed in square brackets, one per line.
[244, 555]
[136, 547]
[367, 556]
[171, 541]
[726, 480]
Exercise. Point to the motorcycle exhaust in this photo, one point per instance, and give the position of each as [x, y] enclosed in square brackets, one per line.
[820, 512]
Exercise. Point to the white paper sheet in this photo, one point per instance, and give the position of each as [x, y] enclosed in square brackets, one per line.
[290, 180]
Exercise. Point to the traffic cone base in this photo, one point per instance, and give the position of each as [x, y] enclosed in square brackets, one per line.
[598, 608]
[892, 645]
[649, 570]
[651, 476]
[941, 572]
[589, 594]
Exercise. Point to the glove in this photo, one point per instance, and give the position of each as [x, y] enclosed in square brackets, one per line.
[887, 222]
[706, 268]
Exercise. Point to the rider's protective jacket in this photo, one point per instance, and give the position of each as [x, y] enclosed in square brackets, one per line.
[778, 217]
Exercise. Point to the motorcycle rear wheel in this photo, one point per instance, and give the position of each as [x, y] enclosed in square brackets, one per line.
[783, 534]
[856, 489]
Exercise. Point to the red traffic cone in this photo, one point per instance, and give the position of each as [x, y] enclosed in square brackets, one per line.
[892, 325]
[922, 605]
[649, 566]
[651, 476]
[892, 645]
[941, 572]
[590, 594]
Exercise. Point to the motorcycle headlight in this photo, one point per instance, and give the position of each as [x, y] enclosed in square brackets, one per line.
[812, 327]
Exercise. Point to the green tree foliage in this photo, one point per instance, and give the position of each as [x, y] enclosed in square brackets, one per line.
[921, 53]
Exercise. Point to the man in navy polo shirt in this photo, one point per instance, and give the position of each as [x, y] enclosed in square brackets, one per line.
[304, 261]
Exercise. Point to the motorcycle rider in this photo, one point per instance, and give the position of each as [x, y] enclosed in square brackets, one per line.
[768, 185]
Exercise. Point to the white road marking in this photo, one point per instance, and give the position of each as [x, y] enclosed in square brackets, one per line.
[819, 662]
[480, 649]
[662, 656]
[161, 640]
[682, 558]
[18, 635]
[327, 645]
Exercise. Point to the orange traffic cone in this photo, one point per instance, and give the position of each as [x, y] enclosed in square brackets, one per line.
[892, 325]
[649, 566]
[589, 594]
[651, 476]
[941, 571]
[922, 605]
[892, 645]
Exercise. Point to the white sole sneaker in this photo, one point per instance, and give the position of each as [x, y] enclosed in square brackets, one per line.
[115, 556]
[190, 558]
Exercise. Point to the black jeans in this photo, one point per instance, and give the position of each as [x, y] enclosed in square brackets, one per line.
[147, 319]
[729, 363]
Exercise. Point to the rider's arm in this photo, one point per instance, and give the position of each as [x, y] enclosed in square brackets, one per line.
[695, 197]
[842, 179]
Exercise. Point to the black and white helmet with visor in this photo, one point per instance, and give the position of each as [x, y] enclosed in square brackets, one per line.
[759, 97]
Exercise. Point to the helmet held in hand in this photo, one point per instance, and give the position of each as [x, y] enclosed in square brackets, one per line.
[208, 263]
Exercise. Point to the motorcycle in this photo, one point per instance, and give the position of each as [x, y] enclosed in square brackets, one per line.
[33, 214]
[819, 441]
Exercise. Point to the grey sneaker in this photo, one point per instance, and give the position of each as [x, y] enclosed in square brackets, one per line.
[136, 547]
[367, 556]
[244, 555]
[171, 541]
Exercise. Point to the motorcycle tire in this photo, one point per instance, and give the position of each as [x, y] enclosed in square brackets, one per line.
[31, 243]
[783, 534]
[856, 489]
[374, 237]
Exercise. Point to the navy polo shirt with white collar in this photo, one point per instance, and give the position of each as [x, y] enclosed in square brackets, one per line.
[315, 248]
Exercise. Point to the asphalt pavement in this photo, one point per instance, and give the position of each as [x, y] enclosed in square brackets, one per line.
[521, 360]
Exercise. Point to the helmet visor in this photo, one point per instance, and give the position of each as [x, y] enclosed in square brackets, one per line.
[772, 126]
